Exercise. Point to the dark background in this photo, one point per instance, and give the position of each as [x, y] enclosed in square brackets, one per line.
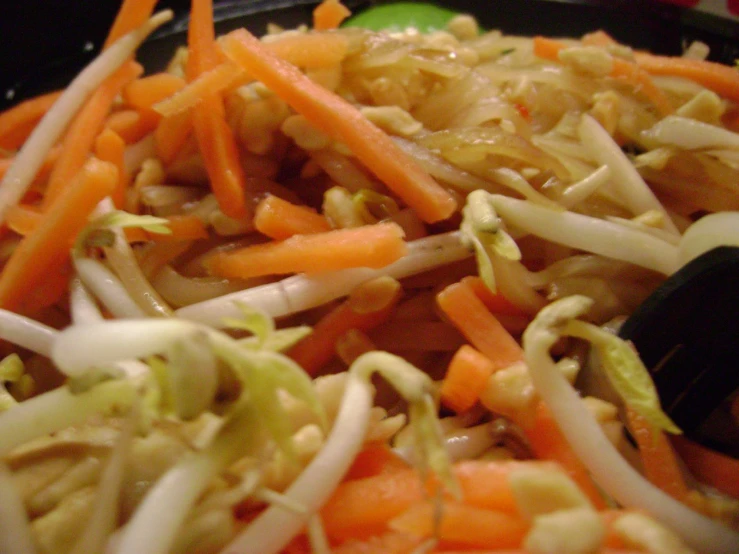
[45, 42]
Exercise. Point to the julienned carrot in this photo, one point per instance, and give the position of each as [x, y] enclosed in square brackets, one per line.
[463, 525]
[132, 125]
[215, 138]
[182, 227]
[131, 15]
[143, 93]
[708, 466]
[23, 219]
[660, 464]
[343, 122]
[367, 246]
[171, 135]
[470, 316]
[721, 79]
[44, 250]
[49, 291]
[375, 458]
[17, 122]
[549, 49]
[110, 147]
[311, 51]
[279, 219]
[465, 379]
[391, 542]
[329, 14]
[496, 303]
[317, 349]
[222, 77]
[86, 125]
[548, 443]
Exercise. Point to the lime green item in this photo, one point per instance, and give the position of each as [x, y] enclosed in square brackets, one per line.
[399, 16]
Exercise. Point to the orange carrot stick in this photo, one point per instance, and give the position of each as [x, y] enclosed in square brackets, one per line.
[24, 219]
[659, 461]
[721, 79]
[368, 246]
[279, 219]
[49, 291]
[343, 122]
[215, 138]
[143, 93]
[45, 170]
[81, 134]
[17, 122]
[468, 314]
[549, 49]
[355, 313]
[45, 250]
[131, 15]
[132, 125]
[375, 458]
[496, 303]
[329, 14]
[548, 443]
[465, 379]
[390, 542]
[109, 147]
[171, 135]
[311, 51]
[463, 525]
[708, 466]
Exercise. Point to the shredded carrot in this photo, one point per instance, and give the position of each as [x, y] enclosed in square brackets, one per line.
[143, 93]
[469, 315]
[375, 458]
[549, 49]
[131, 15]
[721, 79]
[367, 246]
[49, 291]
[462, 525]
[47, 247]
[496, 303]
[329, 14]
[548, 443]
[343, 122]
[109, 147]
[222, 77]
[23, 219]
[465, 379]
[708, 466]
[132, 125]
[279, 219]
[85, 127]
[182, 227]
[317, 349]
[17, 122]
[391, 542]
[215, 138]
[660, 464]
[171, 135]
[311, 51]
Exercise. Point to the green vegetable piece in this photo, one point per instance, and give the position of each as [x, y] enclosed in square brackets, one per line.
[396, 17]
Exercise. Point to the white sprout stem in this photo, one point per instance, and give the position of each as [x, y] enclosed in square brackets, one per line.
[274, 528]
[26, 332]
[107, 288]
[609, 469]
[15, 530]
[577, 192]
[121, 258]
[111, 341]
[20, 175]
[302, 292]
[59, 409]
[155, 523]
[104, 516]
[632, 188]
[82, 305]
[589, 233]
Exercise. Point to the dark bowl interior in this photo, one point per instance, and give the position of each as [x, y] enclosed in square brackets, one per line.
[45, 42]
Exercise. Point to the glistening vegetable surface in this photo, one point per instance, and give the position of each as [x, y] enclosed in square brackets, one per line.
[331, 290]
